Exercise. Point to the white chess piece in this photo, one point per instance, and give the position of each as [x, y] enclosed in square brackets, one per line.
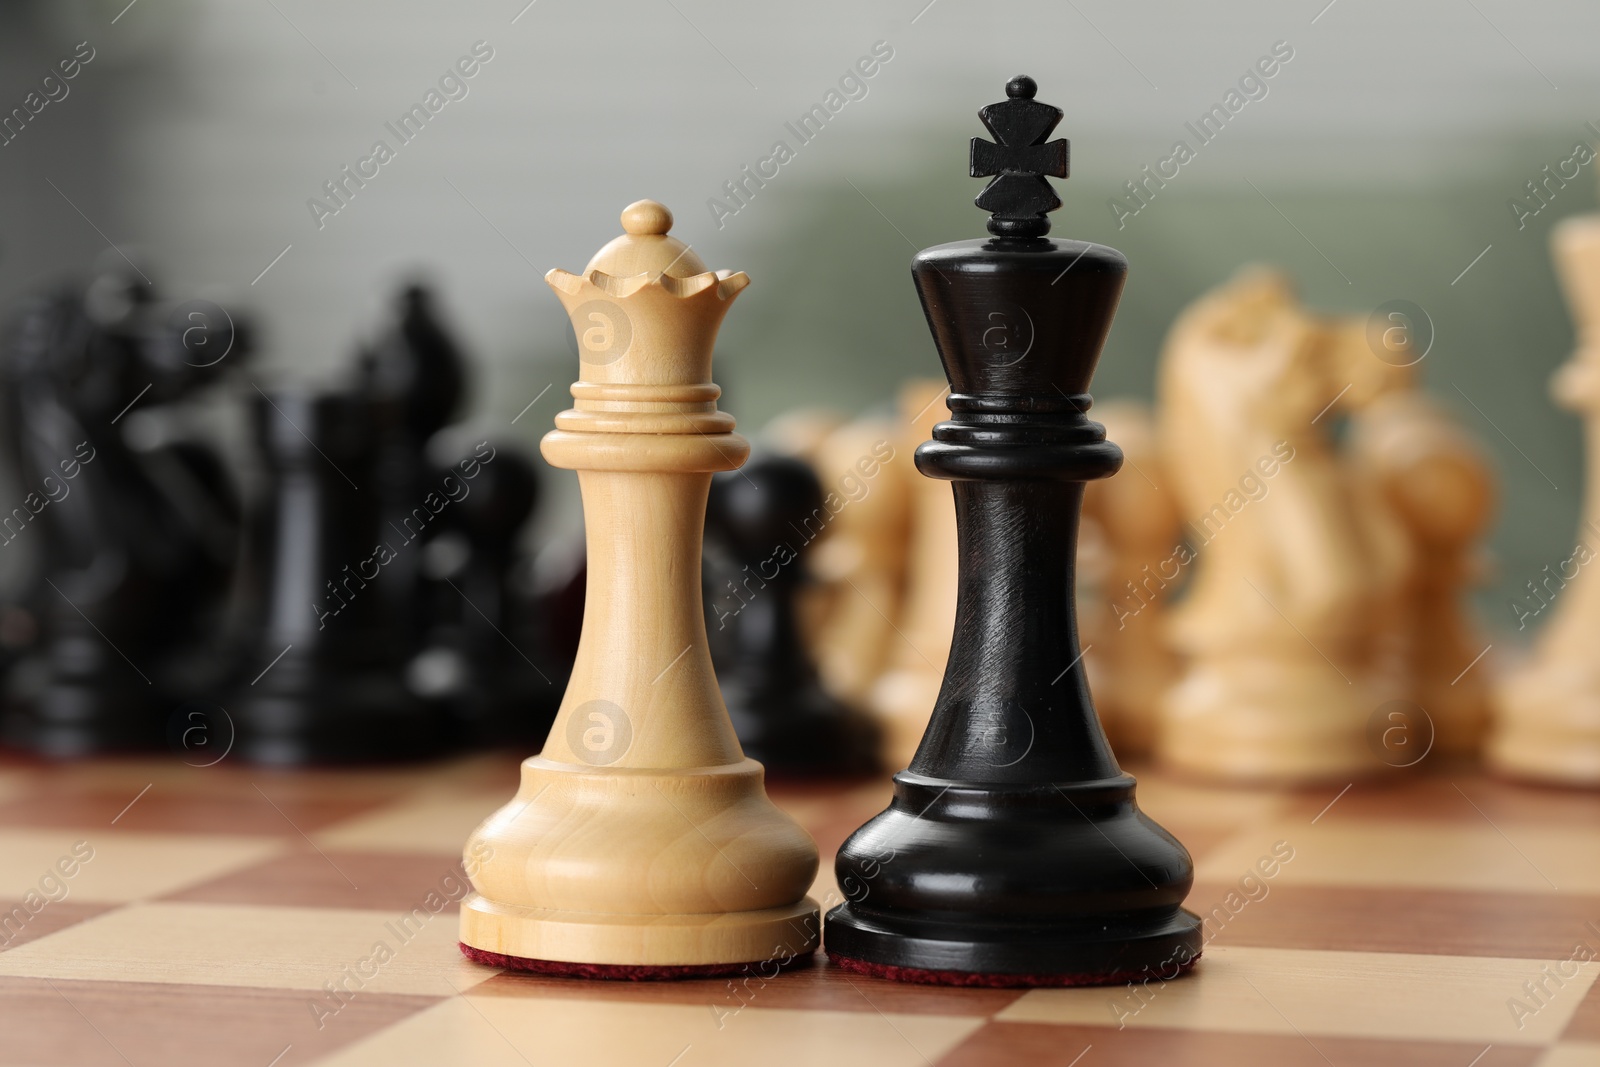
[1547, 714]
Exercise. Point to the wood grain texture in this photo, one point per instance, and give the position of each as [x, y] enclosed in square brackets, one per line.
[494, 1031]
[1426, 894]
[1043, 1045]
[1343, 994]
[113, 1024]
[272, 947]
[641, 834]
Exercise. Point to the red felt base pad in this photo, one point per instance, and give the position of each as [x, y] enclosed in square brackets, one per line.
[622, 972]
[997, 981]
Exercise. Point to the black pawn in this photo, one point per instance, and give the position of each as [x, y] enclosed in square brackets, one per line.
[482, 659]
[321, 677]
[415, 376]
[1013, 852]
[757, 519]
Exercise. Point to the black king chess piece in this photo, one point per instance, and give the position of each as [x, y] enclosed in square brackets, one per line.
[1013, 852]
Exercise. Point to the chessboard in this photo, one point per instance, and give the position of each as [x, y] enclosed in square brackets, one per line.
[161, 913]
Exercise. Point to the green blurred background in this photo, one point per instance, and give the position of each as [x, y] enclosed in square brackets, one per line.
[1498, 333]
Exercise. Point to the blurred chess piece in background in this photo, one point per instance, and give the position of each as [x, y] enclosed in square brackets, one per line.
[904, 693]
[860, 562]
[1426, 496]
[415, 377]
[321, 656]
[127, 518]
[762, 520]
[1131, 551]
[379, 617]
[803, 432]
[1547, 714]
[1273, 621]
[483, 659]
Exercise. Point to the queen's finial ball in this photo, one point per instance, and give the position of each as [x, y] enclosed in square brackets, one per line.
[646, 217]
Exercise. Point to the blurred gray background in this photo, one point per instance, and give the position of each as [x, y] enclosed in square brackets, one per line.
[1378, 166]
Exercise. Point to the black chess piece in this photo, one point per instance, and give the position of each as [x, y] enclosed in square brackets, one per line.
[132, 539]
[784, 717]
[415, 376]
[338, 584]
[321, 673]
[1013, 852]
[482, 662]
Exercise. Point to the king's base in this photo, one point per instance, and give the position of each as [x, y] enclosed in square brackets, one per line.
[1106, 952]
[728, 941]
[973, 979]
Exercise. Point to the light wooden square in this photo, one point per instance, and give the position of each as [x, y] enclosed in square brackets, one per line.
[1500, 857]
[1346, 994]
[431, 822]
[1166, 800]
[490, 1031]
[126, 865]
[1571, 1054]
[259, 947]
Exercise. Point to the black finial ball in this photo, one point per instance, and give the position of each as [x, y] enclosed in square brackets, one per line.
[1021, 87]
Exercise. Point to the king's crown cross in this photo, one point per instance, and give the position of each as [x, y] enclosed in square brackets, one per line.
[1019, 194]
